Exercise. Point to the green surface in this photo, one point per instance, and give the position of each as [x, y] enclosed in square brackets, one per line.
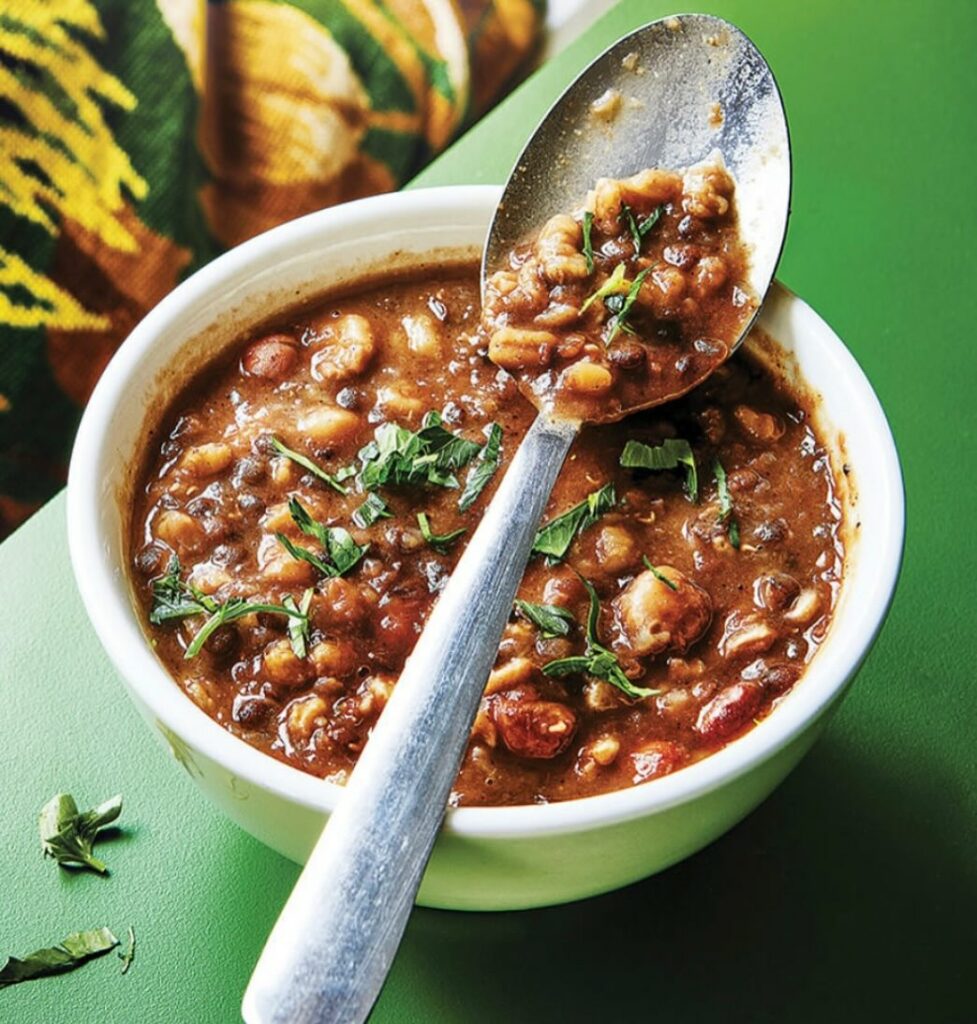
[851, 895]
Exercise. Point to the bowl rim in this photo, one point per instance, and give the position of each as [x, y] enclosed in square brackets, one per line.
[122, 637]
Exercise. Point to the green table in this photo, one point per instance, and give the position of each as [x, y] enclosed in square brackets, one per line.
[851, 895]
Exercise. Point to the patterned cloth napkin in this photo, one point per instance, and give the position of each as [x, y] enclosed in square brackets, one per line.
[140, 138]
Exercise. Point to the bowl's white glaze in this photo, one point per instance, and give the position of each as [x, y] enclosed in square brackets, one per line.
[486, 858]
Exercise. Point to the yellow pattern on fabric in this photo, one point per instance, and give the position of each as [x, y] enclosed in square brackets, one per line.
[53, 306]
[82, 169]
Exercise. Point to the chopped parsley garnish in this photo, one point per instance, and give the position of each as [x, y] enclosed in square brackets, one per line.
[175, 599]
[342, 551]
[597, 660]
[550, 619]
[555, 537]
[670, 454]
[235, 608]
[639, 230]
[620, 306]
[588, 245]
[307, 464]
[370, 511]
[430, 455]
[617, 282]
[129, 954]
[726, 504]
[658, 574]
[67, 835]
[298, 624]
[484, 468]
[438, 541]
[69, 953]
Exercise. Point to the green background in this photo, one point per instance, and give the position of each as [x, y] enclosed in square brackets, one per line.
[850, 895]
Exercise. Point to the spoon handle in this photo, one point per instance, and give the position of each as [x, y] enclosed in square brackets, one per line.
[329, 953]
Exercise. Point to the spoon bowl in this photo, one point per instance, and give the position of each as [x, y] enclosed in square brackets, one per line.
[683, 87]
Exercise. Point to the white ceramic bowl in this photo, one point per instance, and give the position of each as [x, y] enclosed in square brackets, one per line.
[494, 857]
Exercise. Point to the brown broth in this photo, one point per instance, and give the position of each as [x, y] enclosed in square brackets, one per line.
[215, 492]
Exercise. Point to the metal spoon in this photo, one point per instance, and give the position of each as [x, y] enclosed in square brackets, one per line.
[329, 953]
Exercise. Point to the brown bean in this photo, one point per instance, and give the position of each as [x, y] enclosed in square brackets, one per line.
[534, 728]
[730, 710]
[271, 357]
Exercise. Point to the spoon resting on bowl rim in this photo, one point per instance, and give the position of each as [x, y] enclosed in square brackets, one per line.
[330, 950]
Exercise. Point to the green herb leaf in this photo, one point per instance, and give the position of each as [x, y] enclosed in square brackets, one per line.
[658, 574]
[438, 541]
[576, 664]
[306, 463]
[555, 537]
[483, 469]
[632, 224]
[173, 599]
[71, 952]
[305, 555]
[588, 245]
[343, 552]
[622, 310]
[650, 221]
[598, 661]
[129, 954]
[235, 608]
[638, 231]
[726, 504]
[370, 511]
[670, 454]
[68, 836]
[398, 456]
[298, 624]
[551, 620]
[617, 282]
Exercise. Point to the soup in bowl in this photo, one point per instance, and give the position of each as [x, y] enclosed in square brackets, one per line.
[284, 461]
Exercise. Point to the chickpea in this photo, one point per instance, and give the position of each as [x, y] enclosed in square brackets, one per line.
[604, 750]
[657, 758]
[518, 348]
[513, 673]
[615, 549]
[642, 191]
[423, 336]
[347, 352]
[397, 403]
[180, 531]
[558, 248]
[805, 608]
[276, 565]
[761, 426]
[662, 291]
[303, 716]
[710, 275]
[564, 590]
[587, 378]
[333, 658]
[746, 636]
[329, 425]
[706, 190]
[654, 617]
[207, 459]
[284, 666]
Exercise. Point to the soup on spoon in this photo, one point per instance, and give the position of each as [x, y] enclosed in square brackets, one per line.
[628, 303]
